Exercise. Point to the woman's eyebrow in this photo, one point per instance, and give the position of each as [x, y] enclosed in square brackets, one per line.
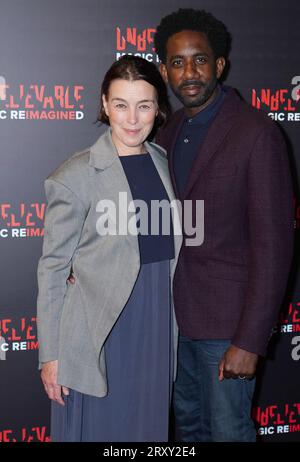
[141, 101]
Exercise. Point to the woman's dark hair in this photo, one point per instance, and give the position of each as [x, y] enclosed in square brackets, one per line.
[132, 68]
[196, 20]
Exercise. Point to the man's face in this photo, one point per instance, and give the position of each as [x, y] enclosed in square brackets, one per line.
[191, 69]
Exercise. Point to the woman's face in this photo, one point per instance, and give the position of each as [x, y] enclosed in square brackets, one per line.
[131, 107]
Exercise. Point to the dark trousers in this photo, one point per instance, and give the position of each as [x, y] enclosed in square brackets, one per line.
[205, 408]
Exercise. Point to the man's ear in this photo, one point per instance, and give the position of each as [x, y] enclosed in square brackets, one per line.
[163, 71]
[220, 65]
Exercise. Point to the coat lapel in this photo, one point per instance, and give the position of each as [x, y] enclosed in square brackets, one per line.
[170, 146]
[217, 132]
[104, 159]
[162, 168]
[163, 172]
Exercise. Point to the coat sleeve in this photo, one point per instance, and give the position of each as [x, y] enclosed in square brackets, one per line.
[270, 218]
[64, 219]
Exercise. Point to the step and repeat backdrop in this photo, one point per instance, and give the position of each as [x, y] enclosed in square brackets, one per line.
[53, 57]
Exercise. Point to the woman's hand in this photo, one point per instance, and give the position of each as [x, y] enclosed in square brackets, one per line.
[71, 279]
[49, 379]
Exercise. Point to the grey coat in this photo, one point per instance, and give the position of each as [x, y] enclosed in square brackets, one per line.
[75, 319]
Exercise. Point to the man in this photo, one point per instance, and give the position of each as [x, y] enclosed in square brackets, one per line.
[227, 291]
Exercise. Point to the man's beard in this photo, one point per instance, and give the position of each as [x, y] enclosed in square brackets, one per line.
[197, 100]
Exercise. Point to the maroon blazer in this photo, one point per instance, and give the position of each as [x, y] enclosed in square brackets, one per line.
[231, 286]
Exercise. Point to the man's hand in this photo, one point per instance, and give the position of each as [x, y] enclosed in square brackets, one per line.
[49, 379]
[237, 363]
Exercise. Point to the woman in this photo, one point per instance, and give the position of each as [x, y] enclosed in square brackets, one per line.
[107, 342]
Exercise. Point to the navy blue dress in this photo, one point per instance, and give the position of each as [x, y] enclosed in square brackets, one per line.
[139, 348]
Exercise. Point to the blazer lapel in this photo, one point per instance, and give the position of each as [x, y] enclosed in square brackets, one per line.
[163, 171]
[103, 153]
[218, 130]
[104, 157]
[170, 148]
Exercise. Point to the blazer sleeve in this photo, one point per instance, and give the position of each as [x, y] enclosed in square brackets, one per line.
[64, 219]
[270, 218]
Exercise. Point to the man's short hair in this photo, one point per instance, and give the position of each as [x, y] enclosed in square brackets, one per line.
[196, 20]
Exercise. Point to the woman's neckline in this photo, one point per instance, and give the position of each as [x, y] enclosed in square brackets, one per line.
[135, 155]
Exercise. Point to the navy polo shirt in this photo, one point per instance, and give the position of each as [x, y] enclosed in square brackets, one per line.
[190, 139]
